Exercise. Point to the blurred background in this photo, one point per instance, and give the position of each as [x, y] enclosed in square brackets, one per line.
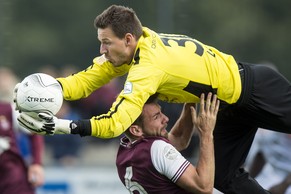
[58, 38]
[57, 33]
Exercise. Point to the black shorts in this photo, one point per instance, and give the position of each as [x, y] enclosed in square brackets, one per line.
[265, 102]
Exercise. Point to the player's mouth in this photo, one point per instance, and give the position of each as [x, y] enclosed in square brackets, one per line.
[107, 58]
[164, 129]
[110, 60]
[164, 132]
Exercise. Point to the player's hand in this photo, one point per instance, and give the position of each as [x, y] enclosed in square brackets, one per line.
[44, 123]
[36, 175]
[32, 123]
[15, 90]
[55, 125]
[206, 118]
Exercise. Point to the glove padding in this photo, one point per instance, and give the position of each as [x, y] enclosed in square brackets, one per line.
[52, 123]
[32, 122]
[44, 123]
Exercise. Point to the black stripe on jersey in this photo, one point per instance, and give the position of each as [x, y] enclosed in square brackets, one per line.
[197, 89]
[110, 113]
[136, 57]
[90, 67]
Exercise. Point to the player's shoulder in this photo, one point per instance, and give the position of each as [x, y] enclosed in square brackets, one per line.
[160, 144]
[153, 143]
[156, 139]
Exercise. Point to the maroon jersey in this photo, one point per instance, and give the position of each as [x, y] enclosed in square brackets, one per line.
[7, 134]
[150, 165]
[13, 170]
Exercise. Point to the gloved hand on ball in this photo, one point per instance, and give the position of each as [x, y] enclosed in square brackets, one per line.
[44, 123]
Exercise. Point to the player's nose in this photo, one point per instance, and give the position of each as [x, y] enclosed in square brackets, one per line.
[165, 119]
[103, 49]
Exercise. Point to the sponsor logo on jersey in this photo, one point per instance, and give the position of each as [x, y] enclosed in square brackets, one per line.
[170, 153]
[127, 88]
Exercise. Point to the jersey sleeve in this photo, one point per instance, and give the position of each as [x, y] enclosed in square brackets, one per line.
[83, 83]
[167, 160]
[141, 83]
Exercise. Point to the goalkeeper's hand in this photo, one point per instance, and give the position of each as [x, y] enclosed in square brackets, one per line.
[44, 123]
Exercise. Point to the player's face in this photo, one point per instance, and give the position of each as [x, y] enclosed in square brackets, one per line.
[154, 121]
[116, 50]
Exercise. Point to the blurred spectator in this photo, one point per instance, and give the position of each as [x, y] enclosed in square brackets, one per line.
[65, 148]
[49, 69]
[7, 82]
[17, 174]
[269, 161]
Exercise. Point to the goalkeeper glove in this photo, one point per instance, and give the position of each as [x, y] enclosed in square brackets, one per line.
[44, 123]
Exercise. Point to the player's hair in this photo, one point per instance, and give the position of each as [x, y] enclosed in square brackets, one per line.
[140, 118]
[121, 20]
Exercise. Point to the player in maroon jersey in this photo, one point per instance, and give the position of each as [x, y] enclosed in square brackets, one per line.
[149, 160]
[15, 175]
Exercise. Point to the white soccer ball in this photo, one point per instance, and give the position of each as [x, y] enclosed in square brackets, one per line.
[39, 92]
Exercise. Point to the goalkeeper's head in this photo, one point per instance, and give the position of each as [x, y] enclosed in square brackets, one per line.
[121, 20]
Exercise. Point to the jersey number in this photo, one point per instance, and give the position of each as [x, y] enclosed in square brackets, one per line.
[132, 185]
[181, 41]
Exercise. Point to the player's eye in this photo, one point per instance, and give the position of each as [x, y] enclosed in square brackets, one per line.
[107, 43]
[156, 116]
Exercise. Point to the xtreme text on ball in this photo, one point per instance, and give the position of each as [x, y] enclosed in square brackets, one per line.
[37, 99]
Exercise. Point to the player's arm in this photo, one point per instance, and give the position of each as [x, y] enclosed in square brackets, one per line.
[281, 187]
[124, 111]
[83, 83]
[119, 117]
[74, 87]
[35, 169]
[201, 177]
[181, 133]
[138, 87]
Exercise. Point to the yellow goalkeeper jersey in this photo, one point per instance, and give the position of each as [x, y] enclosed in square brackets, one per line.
[176, 67]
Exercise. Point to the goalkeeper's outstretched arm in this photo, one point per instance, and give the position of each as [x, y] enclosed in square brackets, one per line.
[46, 124]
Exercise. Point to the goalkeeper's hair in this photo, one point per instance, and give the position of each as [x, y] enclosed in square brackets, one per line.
[121, 20]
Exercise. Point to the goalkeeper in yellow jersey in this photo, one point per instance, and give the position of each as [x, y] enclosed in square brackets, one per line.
[179, 69]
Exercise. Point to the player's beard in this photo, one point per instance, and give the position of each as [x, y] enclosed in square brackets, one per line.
[164, 133]
[117, 61]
